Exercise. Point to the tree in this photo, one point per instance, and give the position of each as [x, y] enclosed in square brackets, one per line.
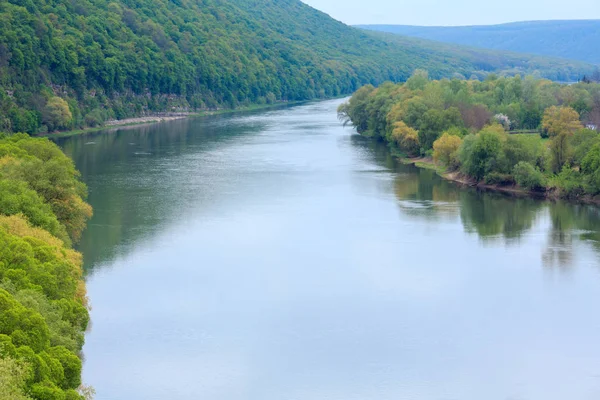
[355, 110]
[560, 150]
[559, 120]
[590, 166]
[482, 153]
[434, 122]
[57, 114]
[445, 150]
[13, 375]
[476, 116]
[418, 80]
[406, 138]
[560, 123]
[503, 120]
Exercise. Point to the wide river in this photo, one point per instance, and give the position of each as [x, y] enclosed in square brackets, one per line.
[279, 256]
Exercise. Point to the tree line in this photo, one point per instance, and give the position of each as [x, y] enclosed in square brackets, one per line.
[534, 133]
[43, 303]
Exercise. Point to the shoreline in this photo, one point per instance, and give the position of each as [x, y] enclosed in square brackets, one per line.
[460, 179]
[164, 117]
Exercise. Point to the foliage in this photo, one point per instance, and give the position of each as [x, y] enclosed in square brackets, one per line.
[44, 169]
[581, 142]
[483, 154]
[569, 182]
[560, 120]
[57, 114]
[568, 162]
[12, 379]
[69, 64]
[590, 165]
[405, 138]
[529, 177]
[445, 150]
[434, 122]
[43, 306]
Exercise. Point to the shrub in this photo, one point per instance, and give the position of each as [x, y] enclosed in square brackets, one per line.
[529, 177]
[570, 182]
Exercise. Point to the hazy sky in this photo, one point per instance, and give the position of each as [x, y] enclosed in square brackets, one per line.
[454, 12]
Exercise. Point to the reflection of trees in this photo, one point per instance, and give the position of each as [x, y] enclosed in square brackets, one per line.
[495, 216]
[422, 193]
[569, 224]
[131, 187]
[492, 216]
[559, 247]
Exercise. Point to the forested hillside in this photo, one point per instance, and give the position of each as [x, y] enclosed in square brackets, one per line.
[67, 64]
[577, 40]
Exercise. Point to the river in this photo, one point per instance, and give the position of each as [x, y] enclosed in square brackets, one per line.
[277, 255]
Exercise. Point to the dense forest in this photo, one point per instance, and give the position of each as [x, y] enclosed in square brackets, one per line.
[504, 131]
[67, 64]
[573, 39]
[43, 303]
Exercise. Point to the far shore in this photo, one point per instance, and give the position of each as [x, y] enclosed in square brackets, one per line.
[165, 117]
[513, 190]
[145, 120]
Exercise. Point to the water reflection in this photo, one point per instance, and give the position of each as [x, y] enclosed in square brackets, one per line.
[493, 217]
[144, 178]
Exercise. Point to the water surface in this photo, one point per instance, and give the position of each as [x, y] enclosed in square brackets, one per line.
[279, 256]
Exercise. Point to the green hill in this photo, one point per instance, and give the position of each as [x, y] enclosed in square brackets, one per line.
[576, 39]
[67, 64]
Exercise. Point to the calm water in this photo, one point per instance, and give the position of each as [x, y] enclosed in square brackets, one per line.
[279, 256]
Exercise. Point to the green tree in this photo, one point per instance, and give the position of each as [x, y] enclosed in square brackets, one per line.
[57, 114]
[529, 177]
[482, 153]
[590, 166]
[13, 376]
[434, 122]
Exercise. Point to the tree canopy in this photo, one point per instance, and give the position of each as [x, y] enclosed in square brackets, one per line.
[43, 304]
[490, 130]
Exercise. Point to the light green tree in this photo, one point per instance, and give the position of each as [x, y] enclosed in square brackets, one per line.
[57, 115]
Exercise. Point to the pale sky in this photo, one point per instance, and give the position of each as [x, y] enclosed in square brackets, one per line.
[454, 12]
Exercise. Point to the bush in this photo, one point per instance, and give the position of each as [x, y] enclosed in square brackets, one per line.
[529, 177]
[570, 182]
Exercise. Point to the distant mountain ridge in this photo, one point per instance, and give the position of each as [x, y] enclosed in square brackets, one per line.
[570, 39]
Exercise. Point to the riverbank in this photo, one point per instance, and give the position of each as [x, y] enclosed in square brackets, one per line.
[513, 190]
[159, 118]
